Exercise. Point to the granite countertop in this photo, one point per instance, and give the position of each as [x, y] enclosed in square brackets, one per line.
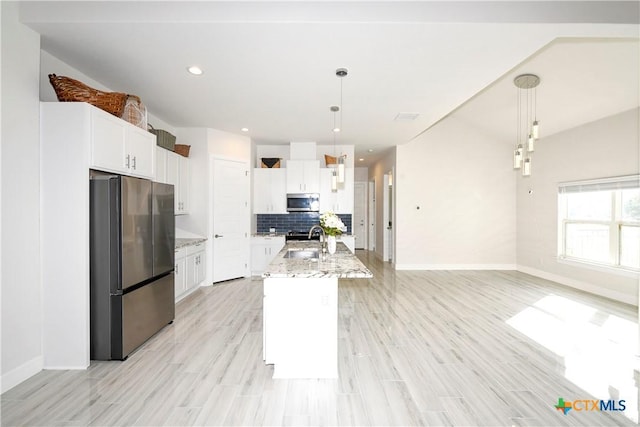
[284, 233]
[181, 242]
[343, 264]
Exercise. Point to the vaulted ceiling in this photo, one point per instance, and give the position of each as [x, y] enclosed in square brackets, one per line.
[270, 66]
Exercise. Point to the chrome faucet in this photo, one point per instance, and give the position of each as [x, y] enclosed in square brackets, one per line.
[323, 240]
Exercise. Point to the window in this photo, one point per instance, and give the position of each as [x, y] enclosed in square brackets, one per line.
[599, 222]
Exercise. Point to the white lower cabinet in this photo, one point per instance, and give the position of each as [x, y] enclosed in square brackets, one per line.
[190, 268]
[349, 242]
[263, 250]
[180, 271]
[195, 266]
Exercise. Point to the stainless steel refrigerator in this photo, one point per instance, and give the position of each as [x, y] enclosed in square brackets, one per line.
[132, 245]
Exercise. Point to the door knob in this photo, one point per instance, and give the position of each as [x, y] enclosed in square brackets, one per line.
[217, 235]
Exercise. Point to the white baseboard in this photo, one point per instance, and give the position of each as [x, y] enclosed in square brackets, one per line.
[578, 284]
[455, 266]
[23, 372]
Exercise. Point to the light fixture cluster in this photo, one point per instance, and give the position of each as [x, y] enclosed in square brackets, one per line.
[528, 128]
[338, 173]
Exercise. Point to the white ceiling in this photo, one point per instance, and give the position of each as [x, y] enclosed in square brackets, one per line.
[270, 66]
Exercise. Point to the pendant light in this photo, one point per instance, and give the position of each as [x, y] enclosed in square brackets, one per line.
[517, 157]
[530, 143]
[526, 167]
[341, 73]
[535, 127]
[334, 174]
[334, 181]
[528, 127]
[535, 130]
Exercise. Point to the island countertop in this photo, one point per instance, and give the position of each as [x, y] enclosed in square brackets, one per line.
[343, 264]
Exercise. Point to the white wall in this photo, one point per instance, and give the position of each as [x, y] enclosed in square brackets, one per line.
[229, 145]
[464, 185]
[21, 264]
[361, 174]
[605, 148]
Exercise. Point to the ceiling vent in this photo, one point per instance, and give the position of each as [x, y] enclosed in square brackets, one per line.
[406, 117]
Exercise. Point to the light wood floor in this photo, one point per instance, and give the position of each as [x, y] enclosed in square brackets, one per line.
[415, 348]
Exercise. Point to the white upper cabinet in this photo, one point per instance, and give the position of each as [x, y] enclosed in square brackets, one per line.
[107, 147]
[326, 195]
[340, 201]
[303, 176]
[161, 165]
[269, 191]
[119, 146]
[177, 173]
[141, 146]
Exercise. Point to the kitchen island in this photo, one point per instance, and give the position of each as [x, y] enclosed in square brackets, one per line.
[300, 309]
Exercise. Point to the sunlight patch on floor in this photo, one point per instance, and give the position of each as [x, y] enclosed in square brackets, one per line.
[599, 349]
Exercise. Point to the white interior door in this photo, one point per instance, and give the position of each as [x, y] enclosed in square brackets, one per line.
[387, 217]
[372, 216]
[359, 223]
[391, 225]
[230, 198]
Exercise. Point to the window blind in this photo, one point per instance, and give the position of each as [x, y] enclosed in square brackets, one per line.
[605, 184]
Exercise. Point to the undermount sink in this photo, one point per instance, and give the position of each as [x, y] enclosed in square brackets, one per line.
[302, 253]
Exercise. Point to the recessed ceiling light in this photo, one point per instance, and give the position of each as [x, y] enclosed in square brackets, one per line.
[406, 117]
[245, 129]
[361, 159]
[336, 129]
[195, 70]
[370, 150]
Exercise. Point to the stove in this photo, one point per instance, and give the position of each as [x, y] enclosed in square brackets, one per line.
[301, 235]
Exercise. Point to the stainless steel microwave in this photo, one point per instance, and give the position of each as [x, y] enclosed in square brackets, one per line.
[303, 202]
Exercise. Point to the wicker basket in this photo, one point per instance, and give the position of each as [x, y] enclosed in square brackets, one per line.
[135, 112]
[270, 162]
[163, 138]
[70, 90]
[182, 149]
[330, 160]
